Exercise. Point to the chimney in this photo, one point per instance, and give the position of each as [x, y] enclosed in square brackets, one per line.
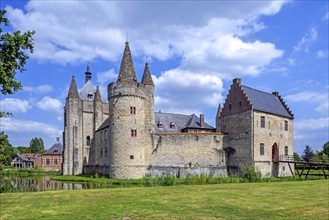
[201, 120]
[57, 139]
[237, 81]
[276, 94]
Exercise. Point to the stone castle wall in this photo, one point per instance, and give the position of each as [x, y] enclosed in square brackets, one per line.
[187, 153]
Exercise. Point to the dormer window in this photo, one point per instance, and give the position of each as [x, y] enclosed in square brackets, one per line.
[172, 125]
[90, 96]
[159, 124]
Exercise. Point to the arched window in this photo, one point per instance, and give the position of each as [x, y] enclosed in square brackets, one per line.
[88, 140]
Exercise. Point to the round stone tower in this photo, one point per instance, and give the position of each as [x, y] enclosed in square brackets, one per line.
[128, 123]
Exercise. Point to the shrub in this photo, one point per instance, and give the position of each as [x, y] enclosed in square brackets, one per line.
[251, 173]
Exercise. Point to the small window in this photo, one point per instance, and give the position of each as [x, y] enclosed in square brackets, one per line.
[47, 161]
[133, 132]
[90, 96]
[55, 161]
[131, 157]
[240, 103]
[101, 152]
[262, 150]
[159, 124]
[262, 121]
[172, 125]
[230, 106]
[286, 151]
[286, 125]
[88, 140]
[133, 110]
[105, 151]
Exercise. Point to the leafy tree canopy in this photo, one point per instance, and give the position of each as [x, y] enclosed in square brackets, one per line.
[325, 148]
[13, 55]
[7, 151]
[36, 145]
[308, 154]
[296, 157]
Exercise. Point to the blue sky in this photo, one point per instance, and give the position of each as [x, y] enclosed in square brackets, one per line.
[194, 50]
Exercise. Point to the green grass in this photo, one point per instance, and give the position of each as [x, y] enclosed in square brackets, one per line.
[272, 200]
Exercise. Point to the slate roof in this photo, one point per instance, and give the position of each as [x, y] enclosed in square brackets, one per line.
[147, 79]
[180, 121]
[56, 149]
[27, 157]
[194, 122]
[105, 124]
[88, 88]
[127, 70]
[266, 102]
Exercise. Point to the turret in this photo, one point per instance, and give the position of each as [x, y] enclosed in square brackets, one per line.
[127, 70]
[72, 130]
[218, 117]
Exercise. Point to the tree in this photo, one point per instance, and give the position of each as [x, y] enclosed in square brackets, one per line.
[36, 146]
[325, 148]
[7, 151]
[23, 150]
[308, 154]
[13, 55]
[296, 157]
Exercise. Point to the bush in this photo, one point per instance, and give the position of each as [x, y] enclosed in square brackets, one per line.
[251, 173]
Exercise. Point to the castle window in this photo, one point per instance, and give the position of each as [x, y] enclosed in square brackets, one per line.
[133, 132]
[133, 110]
[88, 141]
[90, 96]
[131, 157]
[159, 124]
[172, 125]
[101, 152]
[240, 103]
[286, 125]
[230, 106]
[55, 161]
[286, 151]
[105, 151]
[47, 161]
[262, 121]
[262, 149]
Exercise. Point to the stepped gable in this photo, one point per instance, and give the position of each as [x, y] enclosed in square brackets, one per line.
[266, 102]
[73, 90]
[147, 79]
[194, 122]
[87, 92]
[56, 149]
[127, 70]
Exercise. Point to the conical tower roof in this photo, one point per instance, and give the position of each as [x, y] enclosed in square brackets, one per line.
[73, 91]
[97, 95]
[147, 79]
[127, 71]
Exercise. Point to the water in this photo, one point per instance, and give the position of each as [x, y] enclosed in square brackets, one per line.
[43, 183]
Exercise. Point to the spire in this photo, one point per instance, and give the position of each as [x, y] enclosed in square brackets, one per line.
[73, 91]
[88, 74]
[127, 70]
[147, 79]
[97, 95]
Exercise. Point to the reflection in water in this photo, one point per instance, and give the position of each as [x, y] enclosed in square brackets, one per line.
[42, 183]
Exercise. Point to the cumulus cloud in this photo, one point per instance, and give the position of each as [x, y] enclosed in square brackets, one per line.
[321, 54]
[312, 124]
[183, 91]
[39, 89]
[26, 126]
[107, 76]
[318, 98]
[306, 40]
[14, 105]
[50, 104]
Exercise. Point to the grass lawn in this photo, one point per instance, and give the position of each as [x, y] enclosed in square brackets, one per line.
[283, 200]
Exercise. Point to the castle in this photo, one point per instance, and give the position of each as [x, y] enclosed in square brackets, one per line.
[124, 138]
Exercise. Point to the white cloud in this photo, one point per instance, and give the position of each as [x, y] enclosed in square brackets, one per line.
[39, 89]
[311, 124]
[14, 105]
[321, 54]
[26, 126]
[186, 92]
[50, 104]
[318, 98]
[106, 77]
[306, 40]
[63, 38]
[326, 16]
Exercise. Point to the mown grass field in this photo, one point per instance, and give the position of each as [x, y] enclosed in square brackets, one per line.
[283, 200]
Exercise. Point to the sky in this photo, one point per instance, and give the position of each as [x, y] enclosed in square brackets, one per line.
[194, 50]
